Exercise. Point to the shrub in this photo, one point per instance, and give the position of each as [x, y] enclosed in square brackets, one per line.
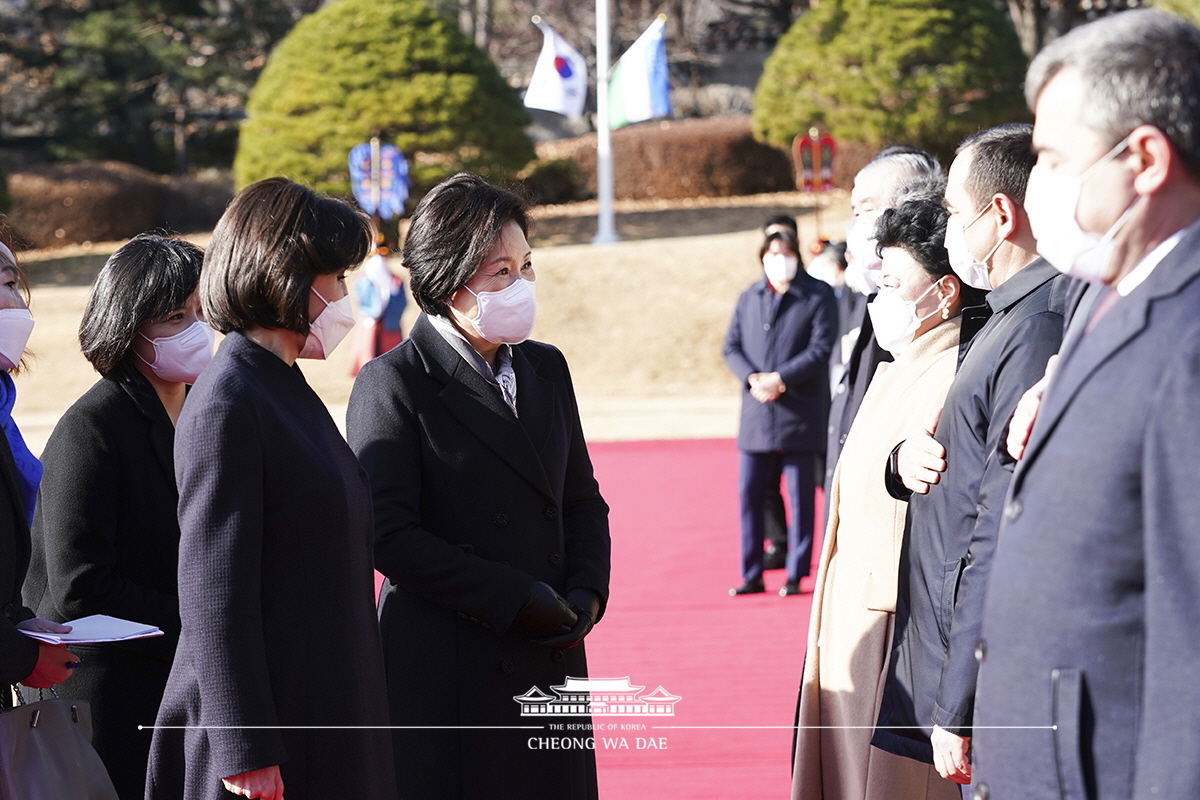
[553, 181]
[927, 72]
[691, 158]
[392, 67]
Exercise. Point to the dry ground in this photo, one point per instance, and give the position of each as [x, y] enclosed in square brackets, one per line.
[640, 322]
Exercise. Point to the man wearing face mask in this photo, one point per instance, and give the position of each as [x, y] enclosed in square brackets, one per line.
[959, 484]
[875, 188]
[778, 346]
[1091, 648]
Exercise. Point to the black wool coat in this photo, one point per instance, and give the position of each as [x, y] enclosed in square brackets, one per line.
[793, 337]
[473, 504]
[18, 653]
[1089, 626]
[951, 532]
[105, 540]
[276, 594]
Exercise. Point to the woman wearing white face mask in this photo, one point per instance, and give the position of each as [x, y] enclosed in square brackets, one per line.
[488, 523]
[916, 317]
[276, 586]
[105, 534]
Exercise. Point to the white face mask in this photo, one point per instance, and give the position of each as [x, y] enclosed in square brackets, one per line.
[182, 357]
[895, 319]
[1051, 201]
[15, 326]
[780, 267]
[864, 262]
[506, 316]
[328, 329]
[971, 272]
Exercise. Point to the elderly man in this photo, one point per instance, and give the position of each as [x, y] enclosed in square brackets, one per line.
[1089, 651]
[875, 188]
[959, 484]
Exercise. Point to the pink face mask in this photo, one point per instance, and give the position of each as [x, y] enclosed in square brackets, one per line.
[182, 357]
[506, 316]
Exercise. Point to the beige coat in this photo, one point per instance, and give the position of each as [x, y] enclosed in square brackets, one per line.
[854, 599]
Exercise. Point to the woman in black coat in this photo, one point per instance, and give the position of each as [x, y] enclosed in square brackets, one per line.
[489, 524]
[278, 678]
[105, 535]
[22, 659]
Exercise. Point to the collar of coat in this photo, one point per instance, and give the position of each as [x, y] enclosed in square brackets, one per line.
[480, 407]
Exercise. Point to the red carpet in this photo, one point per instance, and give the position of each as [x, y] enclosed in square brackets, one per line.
[734, 661]
[670, 622]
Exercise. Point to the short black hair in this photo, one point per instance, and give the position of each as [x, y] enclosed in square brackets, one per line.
[145, 280]
[453, 229]
[1001, 160]
[919, 228]
[269, 245]
[784, 237]
[784, 220]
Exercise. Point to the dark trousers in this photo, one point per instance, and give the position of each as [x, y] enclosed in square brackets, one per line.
[759, 474]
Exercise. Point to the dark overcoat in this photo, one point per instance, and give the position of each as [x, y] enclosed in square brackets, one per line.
[473, 504]
[1090, 624]
[951, 531]
[105, 541]
[18, 653]
[865, 358]
[275, 594]
[793, 337]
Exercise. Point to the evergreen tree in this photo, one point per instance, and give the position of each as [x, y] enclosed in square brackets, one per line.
[135, 81]
[395, 68]
[927, 72]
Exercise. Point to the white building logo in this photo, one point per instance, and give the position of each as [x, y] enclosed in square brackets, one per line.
[597, 696]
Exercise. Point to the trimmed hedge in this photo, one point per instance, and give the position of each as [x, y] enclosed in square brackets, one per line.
[715, 157]
[99, 201]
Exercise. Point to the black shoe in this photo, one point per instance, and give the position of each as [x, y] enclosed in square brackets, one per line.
[790, 588]
[775, 558]
[749, 587]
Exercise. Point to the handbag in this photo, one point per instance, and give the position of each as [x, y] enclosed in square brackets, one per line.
[46, 752]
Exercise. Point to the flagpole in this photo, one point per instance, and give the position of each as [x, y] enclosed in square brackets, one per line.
[606, 229]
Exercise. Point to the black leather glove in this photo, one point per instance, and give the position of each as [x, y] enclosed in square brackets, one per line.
[586, 605]
[545, 613]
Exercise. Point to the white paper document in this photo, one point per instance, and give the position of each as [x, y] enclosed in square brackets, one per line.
[97, 628]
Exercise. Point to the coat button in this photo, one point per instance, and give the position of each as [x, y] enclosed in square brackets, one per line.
[766, 326]
[980, 650]
[499, 520]
[558, 656]
[554, 559]
[508, 667]
[550, 512]
[9, 610]
[981, 792]
[1012, 512]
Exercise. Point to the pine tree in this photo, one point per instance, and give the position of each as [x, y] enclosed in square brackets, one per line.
[926, 72]
[395, 68]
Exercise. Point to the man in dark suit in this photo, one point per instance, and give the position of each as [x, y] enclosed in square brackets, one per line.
[1089, 653]
[956, 483]
[778, 345]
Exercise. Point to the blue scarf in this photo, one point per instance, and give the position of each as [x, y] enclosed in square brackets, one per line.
[29, 469]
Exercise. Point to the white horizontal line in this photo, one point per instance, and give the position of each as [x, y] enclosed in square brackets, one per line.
[342, 727]
[844, 727]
